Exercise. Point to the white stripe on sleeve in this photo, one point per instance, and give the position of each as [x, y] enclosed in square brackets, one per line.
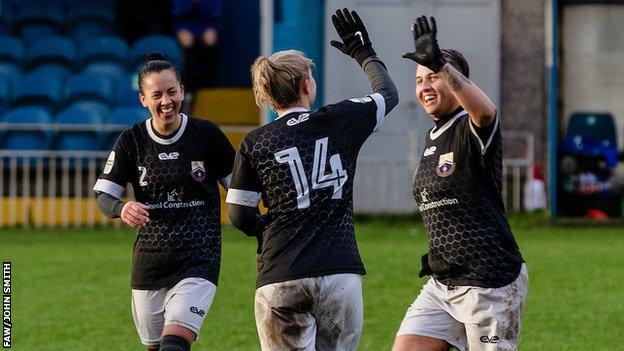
[381, 109]
[243, 197]
[489, 141]
[111, 188]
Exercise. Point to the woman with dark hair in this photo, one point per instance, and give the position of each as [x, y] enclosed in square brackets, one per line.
[478, 279]
[173, 162]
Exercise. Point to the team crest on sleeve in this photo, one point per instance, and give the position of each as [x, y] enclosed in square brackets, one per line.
[110, 162]
[446, 165]
[198, 171]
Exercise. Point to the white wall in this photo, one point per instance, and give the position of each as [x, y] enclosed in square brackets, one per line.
[592, 61]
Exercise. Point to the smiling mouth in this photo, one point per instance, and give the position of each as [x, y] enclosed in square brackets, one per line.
[428, 98]
[166, 110]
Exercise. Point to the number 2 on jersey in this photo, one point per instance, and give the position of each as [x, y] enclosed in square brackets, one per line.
[336, 178]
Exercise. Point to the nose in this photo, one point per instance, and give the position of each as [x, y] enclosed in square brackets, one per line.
[165, 100]
[425, 84]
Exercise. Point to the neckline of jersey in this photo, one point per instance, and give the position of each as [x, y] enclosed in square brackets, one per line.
[293, 110]
[434, 135]
[162, 141]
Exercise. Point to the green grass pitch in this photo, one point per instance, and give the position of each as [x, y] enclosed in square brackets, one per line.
[71, 287]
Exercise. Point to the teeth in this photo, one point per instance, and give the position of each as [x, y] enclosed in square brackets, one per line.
[167, 110]
[429, 98]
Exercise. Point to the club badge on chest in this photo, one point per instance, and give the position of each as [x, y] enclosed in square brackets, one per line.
[446, 165]
[198, 171]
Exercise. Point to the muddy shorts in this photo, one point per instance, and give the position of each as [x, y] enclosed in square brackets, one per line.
[185, 304]
[481, 318]
[321, 313]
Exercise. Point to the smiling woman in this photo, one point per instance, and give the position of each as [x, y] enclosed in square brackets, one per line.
[161, 93]
[173, 162]
[473, 258]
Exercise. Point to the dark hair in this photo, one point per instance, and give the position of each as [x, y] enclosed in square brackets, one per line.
[156, 62]
[458, 61]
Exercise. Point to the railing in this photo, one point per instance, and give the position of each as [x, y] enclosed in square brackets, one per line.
[383, 185]
[49, 188]
[53, 188]
[517, 167]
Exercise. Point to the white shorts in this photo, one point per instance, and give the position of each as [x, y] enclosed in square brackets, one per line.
[321, 313]
[480, 318]
[185, 304]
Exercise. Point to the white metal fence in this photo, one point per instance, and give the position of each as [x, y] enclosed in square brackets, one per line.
[49, 188]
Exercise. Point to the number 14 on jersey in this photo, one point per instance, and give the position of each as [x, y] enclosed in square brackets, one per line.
[336, 178]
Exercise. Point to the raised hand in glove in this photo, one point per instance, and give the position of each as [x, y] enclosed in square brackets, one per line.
[355, 40]
[426, 49]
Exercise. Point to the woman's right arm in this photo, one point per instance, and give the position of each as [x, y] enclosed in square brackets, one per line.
[356, 43]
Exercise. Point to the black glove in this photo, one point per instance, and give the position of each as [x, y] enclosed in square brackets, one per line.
[355, 40]
[426, 49]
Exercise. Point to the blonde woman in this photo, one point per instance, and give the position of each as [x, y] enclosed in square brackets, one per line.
[302, 165]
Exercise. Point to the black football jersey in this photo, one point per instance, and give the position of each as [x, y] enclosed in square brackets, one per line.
[302, 166]
[458, 190]
[177, 179]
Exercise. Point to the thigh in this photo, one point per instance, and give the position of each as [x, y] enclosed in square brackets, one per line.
[339, 312]
[428, 317]
[284, 317]
[497, 315]
[148, 308]
[188, 302]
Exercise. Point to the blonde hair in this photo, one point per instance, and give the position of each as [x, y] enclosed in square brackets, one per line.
[277, 78]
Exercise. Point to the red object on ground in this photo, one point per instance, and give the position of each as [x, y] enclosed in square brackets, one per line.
[596, 214]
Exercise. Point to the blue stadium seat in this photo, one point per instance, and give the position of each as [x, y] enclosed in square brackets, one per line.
[90, 19]
[37, 88]
[598, 127]
[11, 50]
[90, 86]
[104, 49]
[592, 133]
[52, 50]
[161, 43]
[128, 115]
[99, 108]
[27, 140]
[7, 16]
[125, 116]
[80, 113]
[5, 92]
[113, 70]
[10, 70]
[36, 19]
[128, 91]
[60, 72]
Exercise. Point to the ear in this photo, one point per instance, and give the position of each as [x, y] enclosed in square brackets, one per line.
[182, 92]
[142, 98]
[305, 86]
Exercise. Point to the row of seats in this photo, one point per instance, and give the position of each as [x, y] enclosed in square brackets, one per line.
[110, 54]
[48, 90]
[78, 127]
[32, 19]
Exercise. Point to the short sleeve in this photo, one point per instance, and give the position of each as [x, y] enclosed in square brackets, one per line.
[117, 170]
[485, 136]
[365, 115]
[245, 187]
